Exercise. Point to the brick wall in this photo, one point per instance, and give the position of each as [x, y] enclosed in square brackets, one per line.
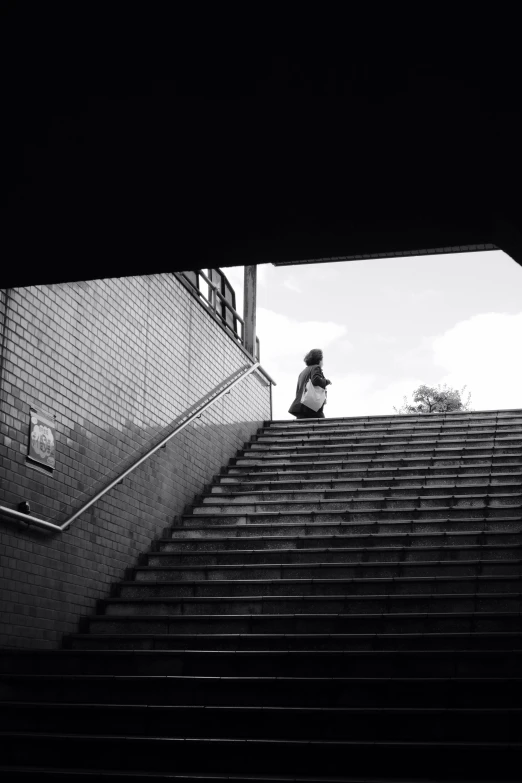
[116, 361]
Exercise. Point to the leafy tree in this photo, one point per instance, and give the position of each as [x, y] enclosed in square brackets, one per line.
[440, 399]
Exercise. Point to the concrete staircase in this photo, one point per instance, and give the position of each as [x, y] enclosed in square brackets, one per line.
[343, 603]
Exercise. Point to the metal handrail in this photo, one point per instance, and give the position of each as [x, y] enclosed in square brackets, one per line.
[30, 520]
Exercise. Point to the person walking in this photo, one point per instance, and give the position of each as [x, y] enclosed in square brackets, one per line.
[311, 388]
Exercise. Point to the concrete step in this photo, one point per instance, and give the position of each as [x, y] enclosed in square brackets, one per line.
[377, 455]
[385, 441]
[251, 526]
[423, 621]
[495, 724]
[370, 463]
[355, 514]
[448, 418]
[359, 451]
[311, 540]
[266, 582]
[234, 485]
[477, 760]
[164, 570]
[326, 523]
[392, 423]
[377, 547]
[471, 554]
[38, 691]
[364, 500]
[327, 430]
[297, 603]
[387, 423]
[366, 470]
[226, 495]
[383, 435]
[372, 563]
[375, 442]
[349, 563]
[353, 449]
[334, 539]
[30, 775]
[298, 429]
[355, 642]
[179, 668]
[24, 774]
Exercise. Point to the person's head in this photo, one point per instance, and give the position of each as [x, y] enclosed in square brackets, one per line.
[315, 356]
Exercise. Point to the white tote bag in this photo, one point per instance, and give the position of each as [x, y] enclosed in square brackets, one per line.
[313, 396]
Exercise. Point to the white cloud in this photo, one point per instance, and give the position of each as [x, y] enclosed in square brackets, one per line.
[264, 273]
[342, 347]
[321, 272]
[285, 337]
[292, 285]
[425, 296]
[384, 339]
[483, 353]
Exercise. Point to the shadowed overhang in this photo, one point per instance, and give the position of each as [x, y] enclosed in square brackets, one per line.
[111, 172]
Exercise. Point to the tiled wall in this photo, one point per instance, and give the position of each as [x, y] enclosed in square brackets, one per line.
[116, 361]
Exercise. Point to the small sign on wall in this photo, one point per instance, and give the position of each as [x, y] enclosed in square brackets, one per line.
[42, 440]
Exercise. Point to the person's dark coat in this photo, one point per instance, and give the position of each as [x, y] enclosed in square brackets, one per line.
[297, 408]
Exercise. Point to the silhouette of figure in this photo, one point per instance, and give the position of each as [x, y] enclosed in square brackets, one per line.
[313, 372]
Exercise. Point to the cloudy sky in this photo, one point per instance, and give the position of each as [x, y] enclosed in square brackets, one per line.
[388, 325]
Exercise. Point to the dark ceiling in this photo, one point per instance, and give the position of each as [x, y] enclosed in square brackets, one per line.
[113, 165]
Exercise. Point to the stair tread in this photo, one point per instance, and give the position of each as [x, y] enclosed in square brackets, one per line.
[383, 435]
[391, 456]
[237, 740]
[208, 776]
[269, 488]
[428, 468]
[462, 476]
[512, 451]
[455, 433]
[458, 478]
[444, 441]
[346, 600]
[340, 580]
[333, 512]
[445, 415]
[246, 678]
[342, 511]
[319, 636]
[64, 706]
[420, 548]
[321, 616]
[270, 492]
[243, 475]
[399, 535]
[63, 653]
[357, 564]
[385, 497]
[377, 447]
